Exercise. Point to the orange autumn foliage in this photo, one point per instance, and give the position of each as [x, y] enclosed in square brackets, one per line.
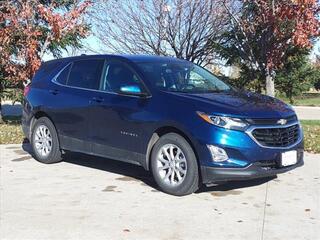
[287, 23]
[27, 28]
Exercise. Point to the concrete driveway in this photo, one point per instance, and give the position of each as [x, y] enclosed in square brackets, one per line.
[94, 198]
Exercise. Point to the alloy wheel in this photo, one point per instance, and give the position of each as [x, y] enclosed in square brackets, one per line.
[43, 140]
[171, 164]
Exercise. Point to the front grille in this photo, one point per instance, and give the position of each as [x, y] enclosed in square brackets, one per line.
[270, 121]
[277, 137]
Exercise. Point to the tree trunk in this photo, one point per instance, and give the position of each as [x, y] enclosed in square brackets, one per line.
[1, 120]
[291, 100]
[290, 94]
[270, 85]
[1, 96]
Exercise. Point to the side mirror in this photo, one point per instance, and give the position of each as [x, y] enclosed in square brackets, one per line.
[132, 90]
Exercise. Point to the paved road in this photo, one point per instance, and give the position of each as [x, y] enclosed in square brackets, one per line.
[308, 113]
[11, 110]
[95, 198]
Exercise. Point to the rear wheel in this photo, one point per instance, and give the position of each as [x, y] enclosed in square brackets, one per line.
[44, 141]
[174, 165]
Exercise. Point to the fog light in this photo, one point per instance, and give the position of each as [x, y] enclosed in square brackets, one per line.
[218, 154]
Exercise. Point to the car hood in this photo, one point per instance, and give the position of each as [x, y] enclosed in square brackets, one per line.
[240, 104]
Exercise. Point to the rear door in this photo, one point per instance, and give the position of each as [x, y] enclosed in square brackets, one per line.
[73, 90]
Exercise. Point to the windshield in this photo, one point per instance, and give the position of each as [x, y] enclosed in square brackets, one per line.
[182, 77]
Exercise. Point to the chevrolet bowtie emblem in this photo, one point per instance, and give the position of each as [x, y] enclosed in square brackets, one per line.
[282, 121]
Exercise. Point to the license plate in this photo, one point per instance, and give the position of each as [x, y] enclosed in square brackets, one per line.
[288, 158]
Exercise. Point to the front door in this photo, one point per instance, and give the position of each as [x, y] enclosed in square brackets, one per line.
[117, 128]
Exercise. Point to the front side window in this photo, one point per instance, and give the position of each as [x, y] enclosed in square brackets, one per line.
[117, 75]
[182, 77]
[86, 74]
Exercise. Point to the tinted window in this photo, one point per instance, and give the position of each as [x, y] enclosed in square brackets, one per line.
[182, 77]
[63, 76]
[118, 75]
[45, 70]
[86, 73]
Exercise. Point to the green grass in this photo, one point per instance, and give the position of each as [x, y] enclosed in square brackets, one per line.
[306, 99]
[11, 132]
[310, 122]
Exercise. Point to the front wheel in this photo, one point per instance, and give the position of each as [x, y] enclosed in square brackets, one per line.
[44, 141]
[174, 165]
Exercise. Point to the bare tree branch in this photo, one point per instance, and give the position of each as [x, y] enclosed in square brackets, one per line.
[182, 28]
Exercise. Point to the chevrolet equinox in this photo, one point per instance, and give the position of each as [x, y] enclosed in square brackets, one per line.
[167, 115]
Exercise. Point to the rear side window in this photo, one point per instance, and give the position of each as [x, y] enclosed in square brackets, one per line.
[46, 70]
[63, 76]
[86, 73]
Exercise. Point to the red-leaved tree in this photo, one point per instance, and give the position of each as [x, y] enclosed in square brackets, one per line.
[27, 30]
[263, 31]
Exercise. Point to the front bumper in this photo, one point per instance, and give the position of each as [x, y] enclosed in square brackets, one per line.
[254, 170]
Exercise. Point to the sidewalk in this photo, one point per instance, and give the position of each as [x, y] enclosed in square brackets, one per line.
[307, 113]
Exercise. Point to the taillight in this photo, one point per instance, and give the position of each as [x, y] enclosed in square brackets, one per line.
[26, 90]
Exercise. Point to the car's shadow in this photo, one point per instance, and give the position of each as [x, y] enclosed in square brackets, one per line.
[129, 171]
[134, 173]
[233, 185]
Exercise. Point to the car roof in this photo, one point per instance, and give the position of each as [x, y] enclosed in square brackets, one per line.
[132, 58]
[151, 58]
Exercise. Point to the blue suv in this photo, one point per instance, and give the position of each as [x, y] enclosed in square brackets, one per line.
[167, 115]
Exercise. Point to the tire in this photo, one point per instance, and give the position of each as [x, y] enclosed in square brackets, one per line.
[185, 165]
[44, 134]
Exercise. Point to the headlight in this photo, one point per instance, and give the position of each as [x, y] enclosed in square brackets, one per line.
[225, 122]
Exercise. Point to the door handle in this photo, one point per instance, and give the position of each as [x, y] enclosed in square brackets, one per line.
[54, 91]
[97, 99]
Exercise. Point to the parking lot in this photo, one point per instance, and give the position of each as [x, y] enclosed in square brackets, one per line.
[94, 198]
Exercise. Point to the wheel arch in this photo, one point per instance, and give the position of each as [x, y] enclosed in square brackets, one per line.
[38, 115]
[162, 131]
